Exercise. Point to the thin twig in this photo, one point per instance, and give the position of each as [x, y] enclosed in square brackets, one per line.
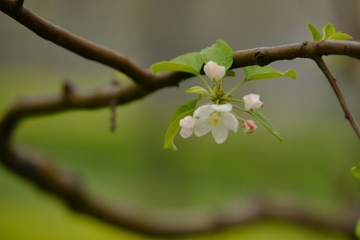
[348, 115]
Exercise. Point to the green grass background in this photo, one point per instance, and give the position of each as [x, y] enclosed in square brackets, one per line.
[131, 167]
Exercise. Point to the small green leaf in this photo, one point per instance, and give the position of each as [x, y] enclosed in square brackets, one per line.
[328, 30]
[174, 127]
[261, 118]
[198, 90]
[314, 32]
[340, 36]
[263, 73]
[189, 62]
[220, 52]
[328, 33]
[355, 171]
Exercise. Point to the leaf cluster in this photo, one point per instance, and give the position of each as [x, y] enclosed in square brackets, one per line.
[329, 33]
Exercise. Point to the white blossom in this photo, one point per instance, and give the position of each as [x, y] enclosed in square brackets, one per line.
[215, 118]
[187, 126]
[252, 102]
[214, 71]
[249, 126]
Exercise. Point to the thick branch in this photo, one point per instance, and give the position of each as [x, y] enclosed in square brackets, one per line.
[175, 223]
[100, 54]
[73, 43]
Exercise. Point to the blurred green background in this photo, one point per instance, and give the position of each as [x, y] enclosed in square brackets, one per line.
[130, 167]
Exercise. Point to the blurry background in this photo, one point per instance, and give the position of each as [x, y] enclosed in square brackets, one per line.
[130, 166]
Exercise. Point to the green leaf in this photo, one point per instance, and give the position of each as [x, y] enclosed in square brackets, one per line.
[314, 32]
[340, 36]
[263, 73]
[328, 30]
[355, 171]
[189, 62]
[174, 127]
[328, 33]
[198, 90]
[220, 52]
[261, 118]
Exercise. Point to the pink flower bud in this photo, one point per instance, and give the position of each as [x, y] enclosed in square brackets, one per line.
[252, 102]
[248, 126]
[214, 71]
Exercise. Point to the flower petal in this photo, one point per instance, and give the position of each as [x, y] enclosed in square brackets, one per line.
[214, 71]
[230, 121]
[220, 134]
[222, 107]
[187, 122]
[203, 111]
[202, 127]
[186, 132]
[252, 102]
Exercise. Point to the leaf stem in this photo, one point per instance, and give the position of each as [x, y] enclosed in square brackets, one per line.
[239, 108]
[206, 83]
[236, 100]
[234, 88]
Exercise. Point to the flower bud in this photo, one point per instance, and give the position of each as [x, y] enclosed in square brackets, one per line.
[187, 125]
[214, 71]
[248, 126]
[252, 102]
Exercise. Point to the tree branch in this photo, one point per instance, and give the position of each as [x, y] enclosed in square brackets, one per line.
[73, 43]
[64, 185]
[103, 55]
[172, 224]
[348, 115]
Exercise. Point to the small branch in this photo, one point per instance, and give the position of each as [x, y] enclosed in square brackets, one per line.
[348, 115]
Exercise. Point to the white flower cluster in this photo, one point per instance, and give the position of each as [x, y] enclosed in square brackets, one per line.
[218, 118]
[214, 118]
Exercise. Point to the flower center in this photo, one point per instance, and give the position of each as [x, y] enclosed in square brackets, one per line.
[214, 119]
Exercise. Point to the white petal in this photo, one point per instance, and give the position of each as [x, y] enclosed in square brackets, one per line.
[202, 127]
[220, 134]
[222, 107]
[230, 121]
[252, 101]
[186, 132]
[203, 111]
[214, 71]
[187, 122]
